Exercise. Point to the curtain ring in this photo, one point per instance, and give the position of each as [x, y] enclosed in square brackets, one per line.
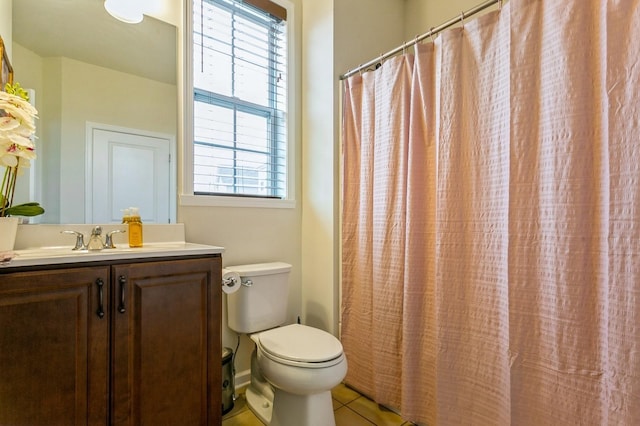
[499, 4]
[379, 64]
[462, 18]
[431, 34]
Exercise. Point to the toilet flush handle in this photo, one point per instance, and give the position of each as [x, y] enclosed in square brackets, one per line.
[247, 283]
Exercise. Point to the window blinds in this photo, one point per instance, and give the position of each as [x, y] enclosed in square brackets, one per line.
[240, 141]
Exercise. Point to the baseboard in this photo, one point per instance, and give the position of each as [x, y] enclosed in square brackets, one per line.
[242, 380]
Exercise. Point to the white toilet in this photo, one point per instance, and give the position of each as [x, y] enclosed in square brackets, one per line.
[294, 367]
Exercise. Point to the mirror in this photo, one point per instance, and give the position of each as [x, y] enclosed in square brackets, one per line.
[88, 70]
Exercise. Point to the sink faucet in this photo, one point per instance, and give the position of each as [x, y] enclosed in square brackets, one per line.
[108, 242]
[80, 245]
[95, 241]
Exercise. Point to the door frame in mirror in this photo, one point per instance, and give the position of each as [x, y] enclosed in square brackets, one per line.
[91, 127]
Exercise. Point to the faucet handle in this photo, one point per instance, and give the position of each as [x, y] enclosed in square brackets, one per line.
[108, 242]
[80, 245]
[97, 231]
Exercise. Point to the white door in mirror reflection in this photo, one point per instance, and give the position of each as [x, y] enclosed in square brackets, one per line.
[129, 168]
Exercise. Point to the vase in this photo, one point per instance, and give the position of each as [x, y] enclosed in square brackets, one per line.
[8, 231]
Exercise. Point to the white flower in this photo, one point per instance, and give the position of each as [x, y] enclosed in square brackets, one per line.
[17, 128]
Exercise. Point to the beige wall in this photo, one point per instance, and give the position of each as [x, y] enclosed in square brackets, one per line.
[106, 97]
[318, 159]
[6, 33]
[6, 27]
[421, 15]
[363, 32]
[337, 36]
[249, 235]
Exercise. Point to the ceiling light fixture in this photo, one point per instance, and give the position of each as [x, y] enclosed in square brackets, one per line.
[129, 11]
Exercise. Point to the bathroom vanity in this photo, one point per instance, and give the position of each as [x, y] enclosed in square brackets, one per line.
[112, 337]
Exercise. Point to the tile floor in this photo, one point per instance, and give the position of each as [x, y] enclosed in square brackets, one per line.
[351, 409]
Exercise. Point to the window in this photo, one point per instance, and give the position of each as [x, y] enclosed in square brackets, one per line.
[239, 98]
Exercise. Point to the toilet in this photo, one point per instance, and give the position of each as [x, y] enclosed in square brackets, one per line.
[293, 367]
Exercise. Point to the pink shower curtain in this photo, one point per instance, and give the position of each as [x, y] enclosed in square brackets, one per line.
[491, 220]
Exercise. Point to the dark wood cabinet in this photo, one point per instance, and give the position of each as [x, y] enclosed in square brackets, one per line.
[53, 347]
[166, 343]
[123, 344]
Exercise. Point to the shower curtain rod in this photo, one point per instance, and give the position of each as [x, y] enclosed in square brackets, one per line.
[433, 31]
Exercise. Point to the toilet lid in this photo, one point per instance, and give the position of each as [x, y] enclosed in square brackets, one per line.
[301, 343]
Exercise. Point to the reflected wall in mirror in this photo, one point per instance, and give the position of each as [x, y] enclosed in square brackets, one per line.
[84, 67]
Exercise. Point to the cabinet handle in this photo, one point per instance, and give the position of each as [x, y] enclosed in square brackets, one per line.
[122, 280]
[100, 285]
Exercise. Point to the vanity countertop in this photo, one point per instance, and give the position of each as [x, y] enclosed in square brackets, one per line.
[160, 241]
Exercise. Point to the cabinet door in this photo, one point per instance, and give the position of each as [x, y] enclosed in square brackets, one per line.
[53, 347]
[166, 344]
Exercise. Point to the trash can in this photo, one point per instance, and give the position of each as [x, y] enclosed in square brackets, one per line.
[228, 387]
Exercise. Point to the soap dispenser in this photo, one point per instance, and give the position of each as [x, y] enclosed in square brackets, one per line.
[135, 228]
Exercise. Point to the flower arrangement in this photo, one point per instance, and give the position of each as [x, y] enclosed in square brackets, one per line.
[17, 128]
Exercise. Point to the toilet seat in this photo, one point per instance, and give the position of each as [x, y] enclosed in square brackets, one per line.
[301, 346]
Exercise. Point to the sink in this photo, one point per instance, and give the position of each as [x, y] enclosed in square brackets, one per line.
[56, 251]
[46, 252]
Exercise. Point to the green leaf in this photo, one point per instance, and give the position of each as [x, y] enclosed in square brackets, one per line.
[27, 209]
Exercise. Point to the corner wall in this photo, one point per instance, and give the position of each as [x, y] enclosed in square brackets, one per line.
[337, 36]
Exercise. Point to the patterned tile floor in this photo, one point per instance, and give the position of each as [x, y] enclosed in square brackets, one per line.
[351, 409]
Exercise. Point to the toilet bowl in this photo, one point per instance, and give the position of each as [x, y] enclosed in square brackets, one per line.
[303, 364]
[293, 367]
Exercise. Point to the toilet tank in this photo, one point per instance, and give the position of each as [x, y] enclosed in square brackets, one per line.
[261, 302]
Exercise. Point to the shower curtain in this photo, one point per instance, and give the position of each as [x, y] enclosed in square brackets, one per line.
[491, 220]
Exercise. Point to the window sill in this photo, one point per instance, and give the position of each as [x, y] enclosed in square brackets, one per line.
[220, 201]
